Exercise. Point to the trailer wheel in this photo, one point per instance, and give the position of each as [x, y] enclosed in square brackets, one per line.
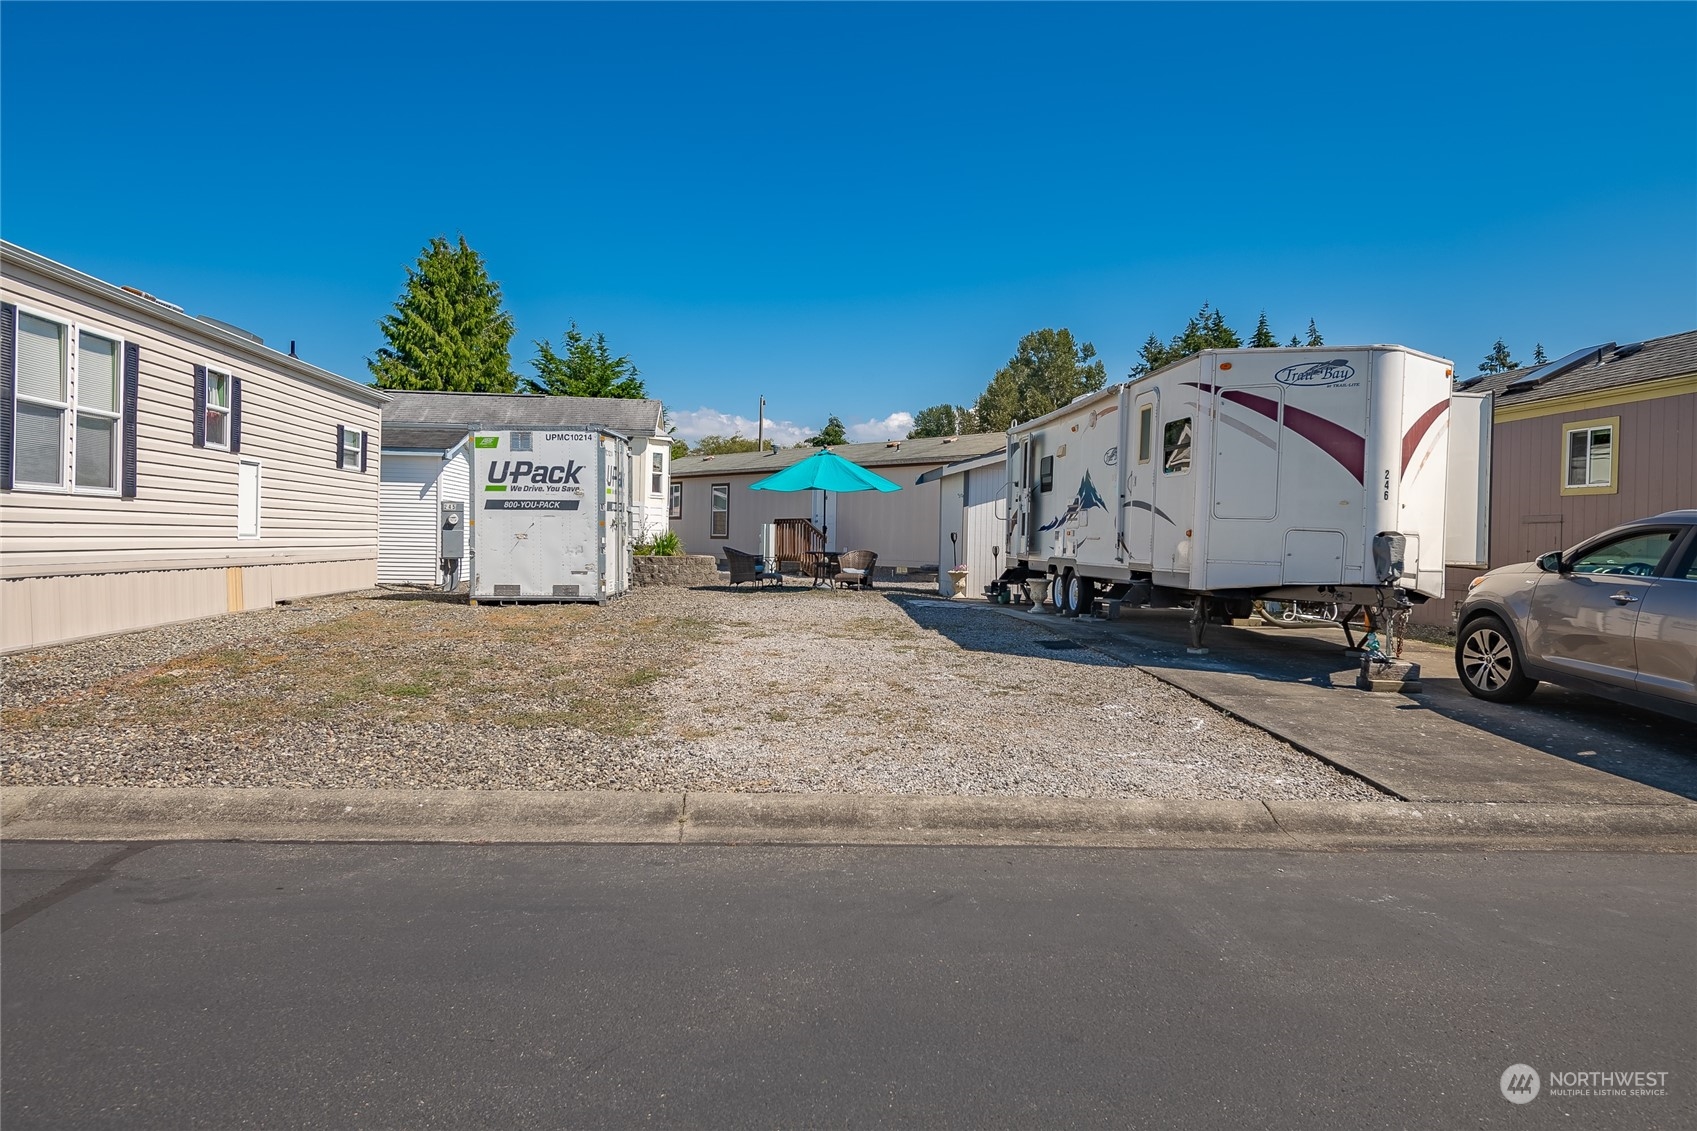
[1058, 591]
[1081, 595]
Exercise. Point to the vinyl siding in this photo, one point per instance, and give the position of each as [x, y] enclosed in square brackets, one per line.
[1657, 471]
[407, 540]
[901, 526]
[184, 515]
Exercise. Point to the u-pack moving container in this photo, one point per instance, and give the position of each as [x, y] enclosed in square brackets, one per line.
[1306, 474]
[550, 514]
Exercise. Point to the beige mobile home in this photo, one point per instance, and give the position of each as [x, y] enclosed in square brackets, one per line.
[158, 467]
[712, 506]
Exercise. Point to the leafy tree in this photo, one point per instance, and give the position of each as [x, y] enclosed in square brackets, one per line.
[587, 369]
[1538, 356]
[680, 449]
[1498, 360]
[1263, 339]
[1048, 370]
[1314, 338]
[829, 436]
[724, 445]
[941, 420]
[448, 331]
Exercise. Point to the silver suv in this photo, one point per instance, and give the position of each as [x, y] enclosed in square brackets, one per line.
[1615, 616]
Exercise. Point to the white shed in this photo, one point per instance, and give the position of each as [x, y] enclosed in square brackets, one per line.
[426, 461]
[423, 467]
[971, 519]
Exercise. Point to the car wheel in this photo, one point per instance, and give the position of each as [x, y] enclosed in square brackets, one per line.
[1489, 664]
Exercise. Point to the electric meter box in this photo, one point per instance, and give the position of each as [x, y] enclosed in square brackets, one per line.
[551, 514]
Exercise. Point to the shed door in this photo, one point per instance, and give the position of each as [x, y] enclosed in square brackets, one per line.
[407, 518]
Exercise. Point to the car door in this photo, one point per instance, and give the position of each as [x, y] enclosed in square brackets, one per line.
[1665, 637]
[1583, 621]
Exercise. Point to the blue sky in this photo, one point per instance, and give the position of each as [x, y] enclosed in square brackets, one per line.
[859, 209]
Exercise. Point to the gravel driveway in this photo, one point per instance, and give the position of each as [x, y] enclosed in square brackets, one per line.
[793, 690]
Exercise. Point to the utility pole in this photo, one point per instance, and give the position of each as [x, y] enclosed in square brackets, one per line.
[760, 429]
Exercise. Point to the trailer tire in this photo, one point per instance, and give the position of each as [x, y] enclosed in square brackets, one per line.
[1080, 595]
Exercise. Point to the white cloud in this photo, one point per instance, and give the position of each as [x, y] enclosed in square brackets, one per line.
[706, 421]
[893, 427]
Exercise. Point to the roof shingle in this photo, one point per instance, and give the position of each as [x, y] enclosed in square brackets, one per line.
[1612, 366]
[476, 411]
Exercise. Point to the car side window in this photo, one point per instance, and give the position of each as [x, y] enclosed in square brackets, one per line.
[1637, 554]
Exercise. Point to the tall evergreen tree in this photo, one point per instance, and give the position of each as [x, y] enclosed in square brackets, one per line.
[1047, 370]
[1498, 360]
[829, 436]
[1294, 342]
[448, 331]
[1314, 338]
[1538, 356]
[1207, 330]
[586, 369]
[1263, 339]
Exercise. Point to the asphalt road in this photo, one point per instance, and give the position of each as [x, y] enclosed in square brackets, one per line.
[228, 985]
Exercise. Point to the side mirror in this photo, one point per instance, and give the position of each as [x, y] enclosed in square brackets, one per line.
[1552, 563]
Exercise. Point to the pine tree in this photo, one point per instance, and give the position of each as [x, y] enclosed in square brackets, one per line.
[829, 436]
[1498, 360]
[448, 331]
[1314, 338]
[588, 369]
[1263, 339]
[1294, 341]
[1538, 357]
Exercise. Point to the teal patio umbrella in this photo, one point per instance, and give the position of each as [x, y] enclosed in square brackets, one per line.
[824, 471]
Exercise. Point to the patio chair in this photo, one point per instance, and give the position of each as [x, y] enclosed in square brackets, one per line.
[855, 569]
[749, 567]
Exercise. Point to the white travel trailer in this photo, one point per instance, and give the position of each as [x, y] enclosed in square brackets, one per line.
[550, 515]
[1301, 474]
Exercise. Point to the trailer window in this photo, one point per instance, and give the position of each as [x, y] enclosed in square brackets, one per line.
[1045, 474]
[1175, 447]
[1145, 432]
[675, 508]
[721, 510]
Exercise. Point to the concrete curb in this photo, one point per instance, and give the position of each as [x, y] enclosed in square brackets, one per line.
[84, 813]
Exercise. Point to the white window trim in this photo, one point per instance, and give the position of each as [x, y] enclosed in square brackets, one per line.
[258, 498]
[713, 512]
[67, 484]
[358, 435]
[228, 408]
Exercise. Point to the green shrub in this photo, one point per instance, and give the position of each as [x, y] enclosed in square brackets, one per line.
[664, 546]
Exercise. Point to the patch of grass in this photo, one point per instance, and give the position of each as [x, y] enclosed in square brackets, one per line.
[407, 690]
[640, 677]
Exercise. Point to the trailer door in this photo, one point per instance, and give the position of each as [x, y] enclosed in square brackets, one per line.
[1142, 468]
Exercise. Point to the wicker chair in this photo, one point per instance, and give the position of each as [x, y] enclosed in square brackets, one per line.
[855, 569]
[749, 567]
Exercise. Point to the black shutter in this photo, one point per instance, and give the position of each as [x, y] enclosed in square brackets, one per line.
[8, 388]
[341, 440]
[132, 388]
[200, 406]
[235, 414]
[364, 442]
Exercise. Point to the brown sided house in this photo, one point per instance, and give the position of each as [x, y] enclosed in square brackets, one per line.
[158, 467]
[1606, 434]
[712, 507]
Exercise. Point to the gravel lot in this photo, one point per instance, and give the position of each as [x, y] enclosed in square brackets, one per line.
[797, 690]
